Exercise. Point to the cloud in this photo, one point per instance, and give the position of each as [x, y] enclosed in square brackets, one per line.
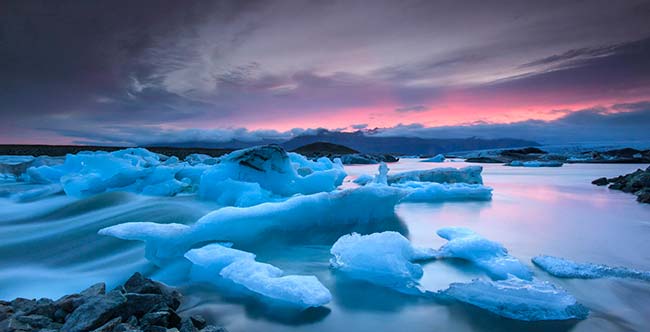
[359, 126]
[416, 108]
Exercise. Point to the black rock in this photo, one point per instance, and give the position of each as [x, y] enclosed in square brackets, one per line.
[167, 318]
[109, 326]
[188, 326]
[141, 285]
[212, 328]
[600, 182]
[95, 312]
[198, 321]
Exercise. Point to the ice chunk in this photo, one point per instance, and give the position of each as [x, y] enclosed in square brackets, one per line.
[230, 192]
[437, 192]
[382, 176]
[383, 258]
[271, 168]
[363, 179]
[213, 261]
[528, 300]
[535, 163]
[436, 159]
[469, 174]
[199, 158]
[488, 255]
[323, 211]
[564, 268]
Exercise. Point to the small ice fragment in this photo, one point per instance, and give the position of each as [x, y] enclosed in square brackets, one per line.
[488, 255]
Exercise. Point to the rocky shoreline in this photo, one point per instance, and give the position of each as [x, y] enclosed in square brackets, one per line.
[544, 158]
[637, 182]
[141, 304]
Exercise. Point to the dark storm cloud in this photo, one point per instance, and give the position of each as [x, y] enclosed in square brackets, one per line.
[71, 65]
[619, 122]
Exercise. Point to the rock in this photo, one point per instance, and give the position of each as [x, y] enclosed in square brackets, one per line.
[109, 326]
[94, 290]
[166, 318]
[12, 324]
[187, 326]
[5, 311]
[198, 321]
[23, 306]
[95, 312]
[212, 328]
[140, 304]
[637, 182]
[600, 182]
[141, 285]
[35, 321]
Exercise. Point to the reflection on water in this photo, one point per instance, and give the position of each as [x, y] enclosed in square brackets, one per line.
[50, 247]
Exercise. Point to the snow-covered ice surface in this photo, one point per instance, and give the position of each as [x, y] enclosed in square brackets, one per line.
[488, 255]
[49, 245]
[519, 299]
[564, 268]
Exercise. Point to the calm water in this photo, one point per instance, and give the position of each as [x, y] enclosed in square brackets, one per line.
[50, 247]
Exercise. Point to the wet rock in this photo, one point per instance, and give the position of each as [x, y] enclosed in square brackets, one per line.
[141, 305]
[141, 285]
[95, 312]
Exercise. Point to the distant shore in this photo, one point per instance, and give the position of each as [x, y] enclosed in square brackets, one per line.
[62, 150]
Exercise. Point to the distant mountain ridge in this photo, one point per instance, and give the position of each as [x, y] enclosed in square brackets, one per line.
[369, 143]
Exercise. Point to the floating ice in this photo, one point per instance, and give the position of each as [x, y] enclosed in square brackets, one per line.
[564, 268]
[216, 261]
[271, 167]
[437, 192]
[363, 179]
[322, 211]
[488, 255]
[469, 174]
[528, 300]
[384, 258]
[535, 163]
[436, 159]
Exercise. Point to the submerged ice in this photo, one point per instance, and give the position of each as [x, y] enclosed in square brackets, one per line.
[216, 262]
[488, 255]
[564, 268]
[527, 300]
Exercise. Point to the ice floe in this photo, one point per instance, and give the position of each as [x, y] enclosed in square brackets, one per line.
[435, 159]
[488, 255]
[527, 300]
[469, 174]
[386, 259]
[215, 261]
[564, 268]
[322, 211]
[437, 192]
[535, 163]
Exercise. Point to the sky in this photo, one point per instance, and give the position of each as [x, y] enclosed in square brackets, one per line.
[143, 72]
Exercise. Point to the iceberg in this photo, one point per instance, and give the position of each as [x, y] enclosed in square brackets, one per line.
[469, 174]
[215, 261]
[271, 167]
[535, 163]
[299, 214]
[564, 268]
[436, 159]
[514, 298]
[488, 255]
[384, 259]
[437, 192]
